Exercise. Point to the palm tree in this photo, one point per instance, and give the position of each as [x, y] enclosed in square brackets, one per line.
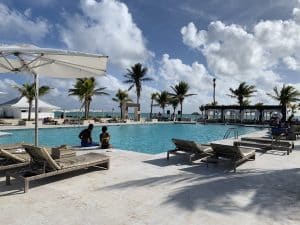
[180, 92]
[123, 98]
[85, 89]
[260, 106]
[153, 97]
[162, 99]
[202, 108]
[174, 102]
[28, 90]
[135, 76]
[287, 95]
[243, 92]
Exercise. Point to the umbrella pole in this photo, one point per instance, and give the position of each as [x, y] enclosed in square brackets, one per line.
[36, 118]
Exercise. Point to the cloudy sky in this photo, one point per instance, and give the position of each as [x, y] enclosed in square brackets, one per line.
[193, 40]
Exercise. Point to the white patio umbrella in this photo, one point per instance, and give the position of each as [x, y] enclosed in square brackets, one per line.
[49, 62]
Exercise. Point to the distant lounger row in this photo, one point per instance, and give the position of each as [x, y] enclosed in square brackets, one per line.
[235, 154]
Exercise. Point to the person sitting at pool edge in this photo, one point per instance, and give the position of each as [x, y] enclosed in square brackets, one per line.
[86, 136]
[104, 138]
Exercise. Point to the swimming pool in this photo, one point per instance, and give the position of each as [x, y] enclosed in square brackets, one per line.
[148, 138]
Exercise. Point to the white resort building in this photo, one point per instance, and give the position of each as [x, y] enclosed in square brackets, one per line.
[18, 108]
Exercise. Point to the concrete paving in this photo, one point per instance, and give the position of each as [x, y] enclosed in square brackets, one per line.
[148, 189]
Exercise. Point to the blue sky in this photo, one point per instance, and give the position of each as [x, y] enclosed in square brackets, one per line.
[194, 40]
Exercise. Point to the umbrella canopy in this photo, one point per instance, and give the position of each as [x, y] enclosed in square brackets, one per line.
[49, 62]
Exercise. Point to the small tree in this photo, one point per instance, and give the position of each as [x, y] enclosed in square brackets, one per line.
[174, 102]
[287, 95]
[122, 98]
[153, 98]
[162, 100]
[135, 76]
[28, 90]
[202, 108]
[242, 93]
[85, 89]
[181, 92]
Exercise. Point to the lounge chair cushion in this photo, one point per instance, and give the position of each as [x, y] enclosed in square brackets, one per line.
[227, 151]
[191, 146]
[246, 151]
[81, 160]
[8, 155]
[41, 154]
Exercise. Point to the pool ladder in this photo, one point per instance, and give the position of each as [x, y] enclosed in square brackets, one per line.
[229, 131]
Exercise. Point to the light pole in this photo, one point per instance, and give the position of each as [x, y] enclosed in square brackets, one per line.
[214, 95]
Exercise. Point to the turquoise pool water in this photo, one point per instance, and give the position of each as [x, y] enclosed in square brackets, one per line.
[154, 138]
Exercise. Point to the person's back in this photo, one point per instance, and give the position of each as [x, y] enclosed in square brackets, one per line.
[104, 138]
[86, 136]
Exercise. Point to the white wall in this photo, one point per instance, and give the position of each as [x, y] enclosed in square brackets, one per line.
[17, 113]
[24, 115]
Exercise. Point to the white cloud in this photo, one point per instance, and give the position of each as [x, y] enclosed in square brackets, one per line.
[174, 71]
[15, 25]
[106, 27]
[192, 37]
[291, 63]
[232, 52]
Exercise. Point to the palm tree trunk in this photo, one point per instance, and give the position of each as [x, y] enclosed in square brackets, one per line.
[283, 112]
[181, 110]
[151, 109]
[88, 109]
[174, 109]
[241, 114]
[139, 108]
[29, 110]
[121, 109]
[85, 109]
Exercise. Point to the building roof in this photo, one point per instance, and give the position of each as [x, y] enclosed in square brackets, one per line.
[237, 107]
[21, 102]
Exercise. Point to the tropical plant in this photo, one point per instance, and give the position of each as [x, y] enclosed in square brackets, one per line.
[162, 99]
[174, 102]
[153, 97]
[85, 89]
[287, 95]
[28, 90]
[202, 109]
[293, 108]
[135, 76]
[243, 92]
[122, 98]
[260, 106]
[180, 92]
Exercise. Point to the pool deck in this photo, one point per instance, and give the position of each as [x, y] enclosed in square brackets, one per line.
[148, 189]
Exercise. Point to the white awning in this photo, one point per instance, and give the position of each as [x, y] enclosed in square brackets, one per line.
[22, 103]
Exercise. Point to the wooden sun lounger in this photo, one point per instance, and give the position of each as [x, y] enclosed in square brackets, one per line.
[43, 165]
[264, 146]
[192, 149]
[283, 143]
[235, 154]
[12, 159]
